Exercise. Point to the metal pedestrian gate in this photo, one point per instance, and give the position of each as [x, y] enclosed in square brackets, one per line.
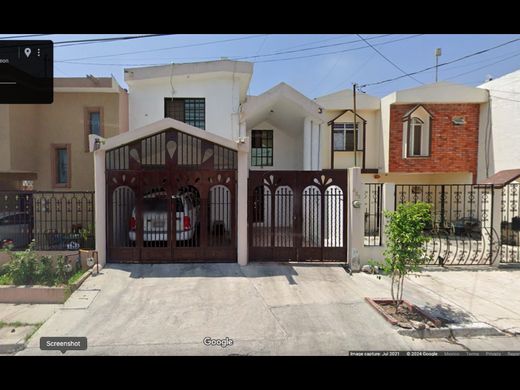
[171, 197]
[297, 215]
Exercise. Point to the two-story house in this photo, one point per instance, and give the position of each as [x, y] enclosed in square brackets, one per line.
[45, 146]
[430, 134]
[194, 136]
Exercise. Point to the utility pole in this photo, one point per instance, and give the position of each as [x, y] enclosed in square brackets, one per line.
[355, 124]
[438, 53]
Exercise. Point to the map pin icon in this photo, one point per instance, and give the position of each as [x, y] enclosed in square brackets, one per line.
[27, 52]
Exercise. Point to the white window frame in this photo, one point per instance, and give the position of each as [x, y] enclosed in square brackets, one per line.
[425, 138]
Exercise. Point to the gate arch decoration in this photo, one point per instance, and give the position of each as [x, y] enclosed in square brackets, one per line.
[171, 197]
[297, 215]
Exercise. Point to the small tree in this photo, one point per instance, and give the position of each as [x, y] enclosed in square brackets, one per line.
[405, 243]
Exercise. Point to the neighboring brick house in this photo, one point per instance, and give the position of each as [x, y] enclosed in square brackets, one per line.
[430, 134]
[434, 138]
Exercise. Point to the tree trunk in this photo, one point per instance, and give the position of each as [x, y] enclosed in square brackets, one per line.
[402, 288]
[395, 293]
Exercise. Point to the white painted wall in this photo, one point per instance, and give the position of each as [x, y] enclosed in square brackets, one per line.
[287, 148]
[146, 100]
[505, 123]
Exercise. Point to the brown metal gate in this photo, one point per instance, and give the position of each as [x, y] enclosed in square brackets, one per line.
[171, 197]
[297, 215]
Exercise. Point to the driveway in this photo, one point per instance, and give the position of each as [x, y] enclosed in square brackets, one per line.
[266, 309]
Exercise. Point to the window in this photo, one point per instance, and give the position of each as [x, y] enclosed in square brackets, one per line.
[61, 165]
[418, 138]
[188, 110]
[93, 123]
[344, 137]
[262, 148]
[417, 128]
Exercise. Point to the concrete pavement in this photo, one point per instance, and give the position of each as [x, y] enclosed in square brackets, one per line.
[266, 309]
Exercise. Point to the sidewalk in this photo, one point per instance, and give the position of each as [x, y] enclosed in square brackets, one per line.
[484, 295]
[19, 321]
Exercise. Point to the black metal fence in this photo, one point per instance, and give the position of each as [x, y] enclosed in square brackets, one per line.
[461, 231]
[456, 208]
[55, 220]
[510, 225]
[373, 198]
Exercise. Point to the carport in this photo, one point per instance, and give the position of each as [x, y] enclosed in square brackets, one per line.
[169, 192]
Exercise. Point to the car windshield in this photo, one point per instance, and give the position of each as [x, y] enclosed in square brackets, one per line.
[160, 205]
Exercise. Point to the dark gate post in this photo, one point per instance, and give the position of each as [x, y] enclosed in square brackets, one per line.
[442, 220]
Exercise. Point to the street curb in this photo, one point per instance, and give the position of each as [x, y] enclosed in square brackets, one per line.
[473, 329]
[8, 349]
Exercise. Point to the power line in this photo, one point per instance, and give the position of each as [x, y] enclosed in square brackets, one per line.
[337, 52]
[495, 57]
[482, 67]
[166, 48]
[308, 48]
[120, 64]
[388, 60]
[25, 36]
[270, 60]
[443, 64]
[234, 57]
[103, 40]
[362, 66]
[314, 42]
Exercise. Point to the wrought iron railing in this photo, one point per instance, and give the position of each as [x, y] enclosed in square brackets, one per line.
[461, 231]
[54, 220]
[373, 198]
[510, 225]
[456, 208]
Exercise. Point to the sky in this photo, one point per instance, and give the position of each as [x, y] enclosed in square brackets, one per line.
[314, 64]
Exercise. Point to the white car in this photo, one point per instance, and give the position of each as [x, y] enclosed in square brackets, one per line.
[15, 227]
[155, 218]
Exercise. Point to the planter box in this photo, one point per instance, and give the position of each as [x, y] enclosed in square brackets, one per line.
[376, 304]
[39, 294]
[84, 254]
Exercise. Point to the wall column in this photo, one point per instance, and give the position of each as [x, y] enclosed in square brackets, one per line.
[100, 206]
[315, 146]
[491, 199]
[242, 130]
[242, 206]
[307, 144]
[355, 218]
[389, 205]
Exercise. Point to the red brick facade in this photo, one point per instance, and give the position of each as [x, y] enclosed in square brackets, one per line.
[454, 148]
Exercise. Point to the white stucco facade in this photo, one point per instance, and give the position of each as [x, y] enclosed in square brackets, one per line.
[501, 137]
[287, 148]
[297, 124]
[223, 85]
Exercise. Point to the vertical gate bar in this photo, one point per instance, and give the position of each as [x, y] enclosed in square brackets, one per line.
[491, 225]
[322, 222]
[273, 216]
